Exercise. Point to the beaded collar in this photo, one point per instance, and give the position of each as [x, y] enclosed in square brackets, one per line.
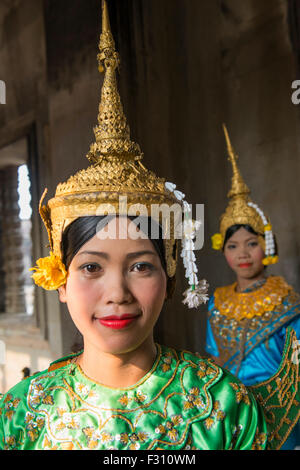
[240, 305]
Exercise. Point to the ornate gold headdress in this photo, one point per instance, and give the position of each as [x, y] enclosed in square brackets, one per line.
[114, 183]
[241, 210]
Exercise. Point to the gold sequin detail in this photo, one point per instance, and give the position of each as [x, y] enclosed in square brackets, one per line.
[239, 305]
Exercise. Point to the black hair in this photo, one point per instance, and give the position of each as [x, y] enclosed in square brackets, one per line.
[234, 228]
[83, 229]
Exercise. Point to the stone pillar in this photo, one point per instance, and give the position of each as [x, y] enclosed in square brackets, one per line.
[26, 226]
[12, 243]
[2, 273]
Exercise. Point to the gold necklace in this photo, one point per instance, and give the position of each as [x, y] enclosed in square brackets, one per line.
[240, 305]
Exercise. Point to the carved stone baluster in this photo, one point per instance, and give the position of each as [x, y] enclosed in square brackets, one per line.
[12, 242]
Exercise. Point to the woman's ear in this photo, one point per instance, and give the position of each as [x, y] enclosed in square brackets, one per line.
[62, 294]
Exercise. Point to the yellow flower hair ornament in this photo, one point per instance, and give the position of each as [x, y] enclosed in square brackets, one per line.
[270, 260]
[50, 272]
[217, 241]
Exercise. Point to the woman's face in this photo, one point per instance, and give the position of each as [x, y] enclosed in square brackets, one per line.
[244, 254]
[115, 292]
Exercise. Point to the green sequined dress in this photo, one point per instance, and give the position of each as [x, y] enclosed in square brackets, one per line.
[184, 402]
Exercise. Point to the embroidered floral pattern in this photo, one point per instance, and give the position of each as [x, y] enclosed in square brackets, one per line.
[216, 415]
[124, 400]
[132, 441]
[33, 425]
[166, 362]
[10, 442]
[86, 391]
[11, 405]
[68, 421]
[81, 388]
[194, 399]
[169, 428]
[241, 393]
[259, 441]
[39, 396]
[139, 398]
[94, 437]
[205, 369]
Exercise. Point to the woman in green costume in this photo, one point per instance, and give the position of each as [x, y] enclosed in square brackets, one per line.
[123, 391]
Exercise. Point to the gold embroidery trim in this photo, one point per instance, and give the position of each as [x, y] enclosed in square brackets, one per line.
[281, 396]
[229, 333]
[239, 305]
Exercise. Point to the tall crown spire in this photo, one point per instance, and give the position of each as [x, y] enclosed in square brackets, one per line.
[238, 186]
[239, 209]
[242, 211]
[112, 133]
[105, 19]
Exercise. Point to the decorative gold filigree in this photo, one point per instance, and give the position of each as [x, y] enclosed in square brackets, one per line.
[112, 133]
[278, 396]
[241, 305]
[237, 338]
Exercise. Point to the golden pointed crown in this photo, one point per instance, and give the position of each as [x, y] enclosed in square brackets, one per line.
[116, 169]
[238, 210]
[242, 211]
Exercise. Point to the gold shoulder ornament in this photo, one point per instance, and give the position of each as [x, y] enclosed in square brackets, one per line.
[241, 305]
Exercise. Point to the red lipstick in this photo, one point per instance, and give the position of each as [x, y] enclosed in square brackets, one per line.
[118, 322]
[245, 265]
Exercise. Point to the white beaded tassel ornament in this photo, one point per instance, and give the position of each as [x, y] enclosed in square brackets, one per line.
[270, 257]
[196, 294]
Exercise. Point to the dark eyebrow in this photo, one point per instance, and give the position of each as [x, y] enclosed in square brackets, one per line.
[129, 255]
[96, 253]
[137, 254]
[247, 239]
